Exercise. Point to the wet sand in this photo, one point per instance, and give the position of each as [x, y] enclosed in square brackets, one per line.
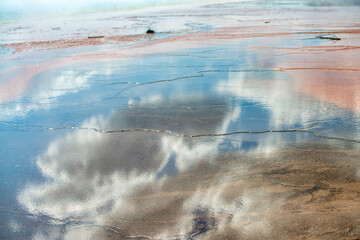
[301, 192]
[245, 129]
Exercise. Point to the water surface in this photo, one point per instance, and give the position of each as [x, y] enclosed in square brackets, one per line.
[205, 141]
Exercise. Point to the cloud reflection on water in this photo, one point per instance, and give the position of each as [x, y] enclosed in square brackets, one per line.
[105, 178]
[88, 171]
[42, 94]
[109, 178]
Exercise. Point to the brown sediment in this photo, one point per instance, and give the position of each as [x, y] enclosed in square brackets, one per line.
[319, 68]
[317, 49]
[339, 88]
[221, 33]
[346, 31]
[300, 192]
[332, 75]
[57, 44]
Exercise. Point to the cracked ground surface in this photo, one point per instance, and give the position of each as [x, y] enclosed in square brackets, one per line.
[246, 127]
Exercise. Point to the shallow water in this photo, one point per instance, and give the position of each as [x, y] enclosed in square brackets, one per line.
[207, 141]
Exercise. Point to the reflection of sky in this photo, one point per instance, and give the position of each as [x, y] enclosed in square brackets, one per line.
[114, 164]
[43, 94]
[91, 174]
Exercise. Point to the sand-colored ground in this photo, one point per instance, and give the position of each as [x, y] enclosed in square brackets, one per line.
[305, 192]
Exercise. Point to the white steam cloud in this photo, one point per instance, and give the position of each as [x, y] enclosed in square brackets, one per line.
[22, 8]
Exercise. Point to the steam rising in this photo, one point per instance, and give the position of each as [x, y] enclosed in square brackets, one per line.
[23, 8]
